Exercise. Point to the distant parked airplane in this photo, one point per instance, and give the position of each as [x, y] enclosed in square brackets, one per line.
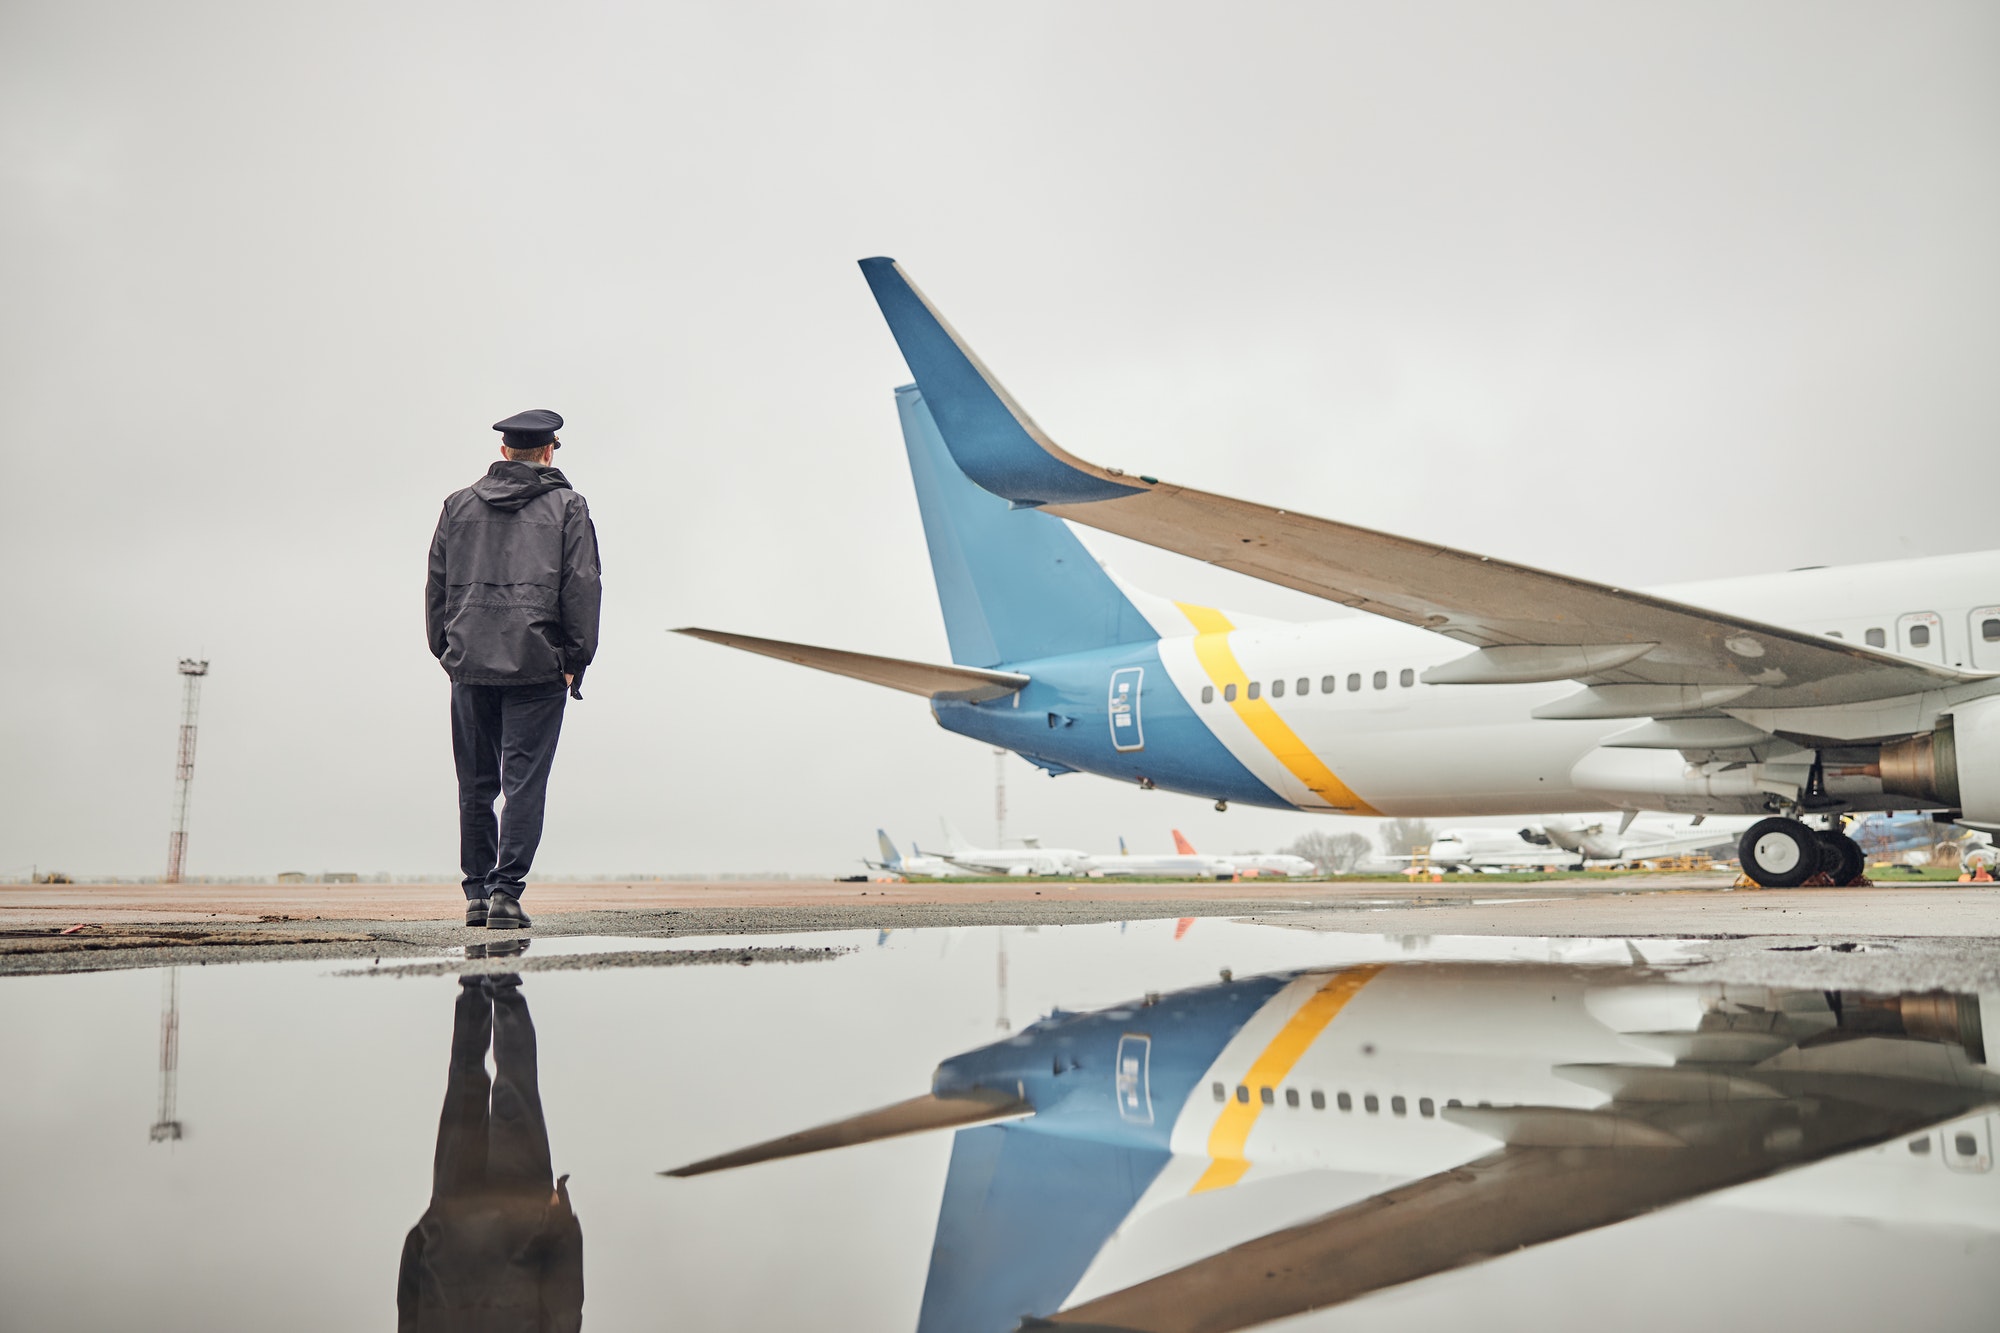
[1165, 865]
[893, 861]
[1027, 859]
[1255, 863]
[1497, 849]
[1647, 837]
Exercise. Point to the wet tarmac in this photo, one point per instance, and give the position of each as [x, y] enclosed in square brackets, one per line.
[1161, 1124]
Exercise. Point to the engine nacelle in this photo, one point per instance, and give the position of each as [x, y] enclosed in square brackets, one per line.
[1957, 765]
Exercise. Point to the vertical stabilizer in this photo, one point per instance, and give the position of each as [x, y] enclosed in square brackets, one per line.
[954, 841]
[1013, 584]
[891, 858]
[1182, 845]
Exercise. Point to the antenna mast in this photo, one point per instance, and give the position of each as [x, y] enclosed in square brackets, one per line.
[191, 674]
[167, 1123]
[999, 796]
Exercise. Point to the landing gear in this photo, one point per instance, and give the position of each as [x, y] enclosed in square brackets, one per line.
[1780, 853]
[1841, 857]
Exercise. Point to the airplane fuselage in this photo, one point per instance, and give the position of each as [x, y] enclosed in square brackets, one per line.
[1335, 716]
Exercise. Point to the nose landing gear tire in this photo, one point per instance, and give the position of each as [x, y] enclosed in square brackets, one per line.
[1779, 853]
[1841, 858]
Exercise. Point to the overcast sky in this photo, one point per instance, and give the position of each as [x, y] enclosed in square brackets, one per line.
[1639, 292]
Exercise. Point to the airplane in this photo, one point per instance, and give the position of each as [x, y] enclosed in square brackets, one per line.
[893, 861]
[1910, 839]
[1510, 1105]
[1498, 849]
[1471, 686]
[1180, 865]
[1028, 859]
[1644, 839]
[1255, 863]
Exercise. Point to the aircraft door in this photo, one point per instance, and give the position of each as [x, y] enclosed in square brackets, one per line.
[1921, 634]
[1983, 629]
[1134, 1078]
[1968, 1146]
[1126, 731]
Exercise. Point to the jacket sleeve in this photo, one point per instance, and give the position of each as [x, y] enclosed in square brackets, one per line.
[582, 588]
[408, 1294]
[435, 594]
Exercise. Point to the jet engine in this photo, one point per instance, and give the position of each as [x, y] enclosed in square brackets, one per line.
[1957, 765]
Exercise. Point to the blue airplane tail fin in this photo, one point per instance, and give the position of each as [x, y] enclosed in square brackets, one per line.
[1014, 585]
[890, 856]
[1024, 1213]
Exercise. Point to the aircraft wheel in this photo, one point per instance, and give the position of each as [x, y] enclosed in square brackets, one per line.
[1779, 853]
[1843, 858]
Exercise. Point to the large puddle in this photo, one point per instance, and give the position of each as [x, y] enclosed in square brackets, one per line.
[1166, 1125]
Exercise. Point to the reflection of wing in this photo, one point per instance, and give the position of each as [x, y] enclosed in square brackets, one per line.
[1648, 655]
[1562, 1172]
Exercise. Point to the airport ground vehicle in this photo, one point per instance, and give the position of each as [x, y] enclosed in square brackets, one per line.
[1473, 687]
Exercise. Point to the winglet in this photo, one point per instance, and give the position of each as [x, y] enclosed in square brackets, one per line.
[991, 438]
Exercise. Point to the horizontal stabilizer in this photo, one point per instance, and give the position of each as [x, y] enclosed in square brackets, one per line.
[911, 1117]
[972, 684]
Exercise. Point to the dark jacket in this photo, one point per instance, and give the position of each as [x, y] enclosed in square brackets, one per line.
[513, 593]
[493, 1264]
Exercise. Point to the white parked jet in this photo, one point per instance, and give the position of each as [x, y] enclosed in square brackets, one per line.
[1255, 863]
[1498, 849]
[1177, 865]
[1027, 859]
[1646, 838]
[1473, 686]
[917, 863]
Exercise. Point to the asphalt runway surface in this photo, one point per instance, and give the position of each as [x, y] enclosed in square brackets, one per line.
[1909, 934]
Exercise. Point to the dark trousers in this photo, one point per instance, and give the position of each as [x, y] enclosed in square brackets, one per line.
[492, 1138]
[503, 738]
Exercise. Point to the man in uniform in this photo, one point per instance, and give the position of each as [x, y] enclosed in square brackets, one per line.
[511, 609]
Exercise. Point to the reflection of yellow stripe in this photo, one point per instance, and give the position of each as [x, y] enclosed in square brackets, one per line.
[1226, 1163]
[1211, 649]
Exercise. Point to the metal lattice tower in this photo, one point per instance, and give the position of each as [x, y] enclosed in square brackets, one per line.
[191, 674]
[166, 1123]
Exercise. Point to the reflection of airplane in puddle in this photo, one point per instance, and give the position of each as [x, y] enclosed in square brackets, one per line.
[1519, 1104]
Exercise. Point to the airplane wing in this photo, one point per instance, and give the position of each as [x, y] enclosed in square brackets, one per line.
[1563, 1172]
[974, 684]
[1640, 655]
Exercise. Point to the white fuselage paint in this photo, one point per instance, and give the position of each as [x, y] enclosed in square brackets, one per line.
[1165, 865]
[1411, 1035]
[1467, 750]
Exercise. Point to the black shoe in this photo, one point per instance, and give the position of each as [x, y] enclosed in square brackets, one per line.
[503, 912]
[475, 911]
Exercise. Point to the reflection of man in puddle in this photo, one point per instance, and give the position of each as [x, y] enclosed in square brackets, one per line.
[499, 1248]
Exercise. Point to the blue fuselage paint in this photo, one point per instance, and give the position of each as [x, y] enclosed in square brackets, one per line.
[1067, 1065]
[1062, 718]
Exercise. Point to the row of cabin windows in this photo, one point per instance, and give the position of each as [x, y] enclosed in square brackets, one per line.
[1303, 685]
[1370, 1103]
[1920, 635]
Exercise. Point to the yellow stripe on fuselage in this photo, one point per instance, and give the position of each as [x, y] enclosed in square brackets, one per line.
[1218, 660]
[1226, 1163]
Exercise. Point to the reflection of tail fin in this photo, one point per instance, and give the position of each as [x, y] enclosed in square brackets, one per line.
[891, 858]
[954, 841]
[1182, 845]
[1024, 1214]
[1013, 584]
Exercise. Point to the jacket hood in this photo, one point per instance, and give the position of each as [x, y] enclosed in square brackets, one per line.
[510, 485]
